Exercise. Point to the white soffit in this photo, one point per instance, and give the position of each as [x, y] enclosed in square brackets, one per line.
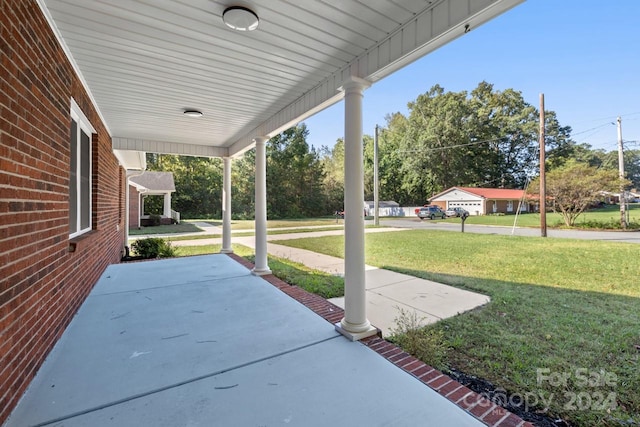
[146, 61]
[131, 160]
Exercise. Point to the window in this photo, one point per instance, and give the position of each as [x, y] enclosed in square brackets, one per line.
[80, 172]
[510, 206]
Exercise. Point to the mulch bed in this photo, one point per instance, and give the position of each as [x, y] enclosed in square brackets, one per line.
[511, 402]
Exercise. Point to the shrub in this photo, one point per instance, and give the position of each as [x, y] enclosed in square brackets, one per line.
[425, 343]
[155, 220]
[153, 247]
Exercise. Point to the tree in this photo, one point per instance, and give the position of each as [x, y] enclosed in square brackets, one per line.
[294, 176]
[198, 183]
[574, 187]
[390, 159]
[243, 190]
[486, 138]
[332, 162]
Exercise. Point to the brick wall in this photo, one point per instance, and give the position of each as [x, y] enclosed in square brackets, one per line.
[42, 284]
[134, 207]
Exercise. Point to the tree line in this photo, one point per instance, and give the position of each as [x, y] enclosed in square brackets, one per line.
[482, 138]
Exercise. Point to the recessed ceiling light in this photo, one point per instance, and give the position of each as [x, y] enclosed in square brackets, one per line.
[240, 18]
[193, 113]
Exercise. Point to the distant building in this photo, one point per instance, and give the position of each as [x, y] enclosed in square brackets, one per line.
[150, 183]
[483, 201]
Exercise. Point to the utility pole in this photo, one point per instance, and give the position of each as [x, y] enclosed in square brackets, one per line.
[543, 179]
[376, 201]
[623, 199]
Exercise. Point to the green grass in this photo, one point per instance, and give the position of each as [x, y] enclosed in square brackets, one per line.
[603, 218]
[183, 227]
[556, 304]
[251, 233]
[275, 223]
[323, 284]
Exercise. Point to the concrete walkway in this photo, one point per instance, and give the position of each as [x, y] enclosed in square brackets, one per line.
[388, 292]
[199, 341]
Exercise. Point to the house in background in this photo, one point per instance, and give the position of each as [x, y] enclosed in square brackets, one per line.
[151, 183]
[483, 201]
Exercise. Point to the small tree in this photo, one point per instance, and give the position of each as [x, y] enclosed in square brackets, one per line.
[574, 187]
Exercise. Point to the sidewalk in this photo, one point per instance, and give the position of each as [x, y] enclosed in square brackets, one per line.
[387, 291]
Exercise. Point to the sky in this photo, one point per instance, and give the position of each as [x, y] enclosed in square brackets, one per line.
[583, 55]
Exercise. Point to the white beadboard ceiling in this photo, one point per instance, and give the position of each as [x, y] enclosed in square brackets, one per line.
[145, 61]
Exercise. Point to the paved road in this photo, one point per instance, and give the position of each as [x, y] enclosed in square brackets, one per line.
[614, 236]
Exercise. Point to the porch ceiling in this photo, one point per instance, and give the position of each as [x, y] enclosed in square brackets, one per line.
[145, 61]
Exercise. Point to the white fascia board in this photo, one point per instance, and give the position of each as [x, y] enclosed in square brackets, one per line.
[140, 188]
[429, 30]
[131, 160]
[165, 147]
[446, 195]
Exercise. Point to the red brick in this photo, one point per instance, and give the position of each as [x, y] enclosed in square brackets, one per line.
[449, 387]
[469, 400]
[430, 376]
[438, 382]
[391, 351]
[511, 421]
[422, 370]
[496, 415]
[40, 284]
[415, 364]
[484, 406]
[399, 357]
[458, 394]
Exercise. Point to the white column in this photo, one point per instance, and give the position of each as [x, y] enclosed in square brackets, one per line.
[261, 268]
[167, 205]
[226, 206]
[355, 324]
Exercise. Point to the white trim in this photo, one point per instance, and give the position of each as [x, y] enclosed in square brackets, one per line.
[83, 126]
[77, 115]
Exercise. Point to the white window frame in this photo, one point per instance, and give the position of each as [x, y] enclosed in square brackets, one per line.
[83, 126]
[509, 205]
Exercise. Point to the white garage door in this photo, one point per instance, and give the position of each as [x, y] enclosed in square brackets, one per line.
[474, 207]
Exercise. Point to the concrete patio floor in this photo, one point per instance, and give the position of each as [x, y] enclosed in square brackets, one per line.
[199, 341]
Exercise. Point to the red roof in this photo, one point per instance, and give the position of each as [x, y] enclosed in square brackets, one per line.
[489, 193]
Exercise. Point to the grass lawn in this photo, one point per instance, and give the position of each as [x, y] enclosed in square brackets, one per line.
[183, 227]
[273, 223]
[251, 233]
[607, 215]
[323, 284]
[559, 309]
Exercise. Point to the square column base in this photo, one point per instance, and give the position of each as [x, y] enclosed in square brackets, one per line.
[261, 272]
[357, 336]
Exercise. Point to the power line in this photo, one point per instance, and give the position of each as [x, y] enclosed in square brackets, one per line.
[452, 146]
[594, 128]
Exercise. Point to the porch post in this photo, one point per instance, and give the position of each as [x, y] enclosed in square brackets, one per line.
[355, 324]
[226, 206]
[167, 205]
[127, 194]
[261, 268]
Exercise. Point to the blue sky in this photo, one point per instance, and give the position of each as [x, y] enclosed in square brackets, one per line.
[584, 55]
